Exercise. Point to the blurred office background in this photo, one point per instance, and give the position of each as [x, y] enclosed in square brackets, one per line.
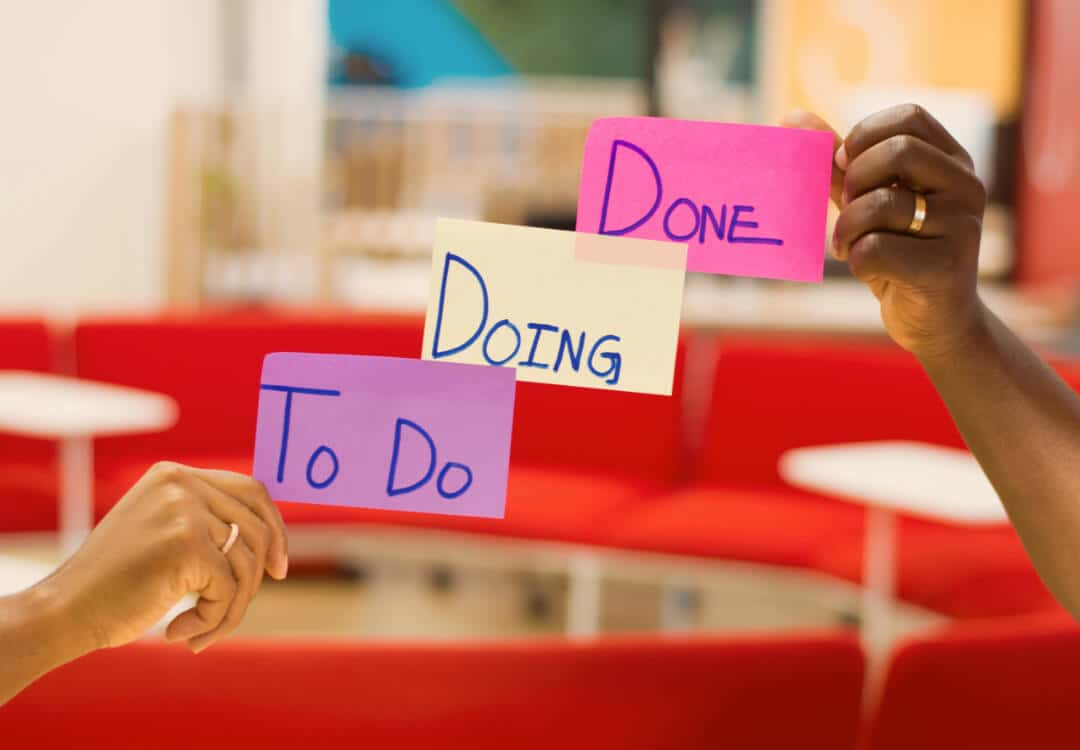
[187, 185]
[297, 152]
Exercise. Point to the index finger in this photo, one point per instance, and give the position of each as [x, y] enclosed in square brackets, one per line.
[904, 119]
[253, 494]
[810, 121]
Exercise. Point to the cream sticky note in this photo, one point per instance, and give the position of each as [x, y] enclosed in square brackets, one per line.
[561, 307]
[749, 200]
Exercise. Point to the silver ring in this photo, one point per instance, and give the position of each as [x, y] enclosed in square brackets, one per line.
[234, 534]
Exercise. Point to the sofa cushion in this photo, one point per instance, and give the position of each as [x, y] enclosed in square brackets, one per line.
[542, 502]
[745, 523]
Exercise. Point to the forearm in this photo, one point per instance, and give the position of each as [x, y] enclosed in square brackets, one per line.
[36, 636]
[1022, 423]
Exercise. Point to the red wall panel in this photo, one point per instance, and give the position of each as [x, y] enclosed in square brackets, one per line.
[1049, 194]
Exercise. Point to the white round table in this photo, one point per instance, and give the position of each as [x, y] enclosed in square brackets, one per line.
[73, 411]
[917, 479]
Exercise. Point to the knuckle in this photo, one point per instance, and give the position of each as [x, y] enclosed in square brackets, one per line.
[260, 491]
[855, 136]
[868, 245]
[844, 223]
[863, 253]
[187, 531]
[267, 502]
[176, 497]
[167, 471]
[902, 146]
[979, 193]
[883, 201]
[915, 114]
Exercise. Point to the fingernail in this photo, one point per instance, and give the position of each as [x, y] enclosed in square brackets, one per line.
[841, 157]
[281, 568]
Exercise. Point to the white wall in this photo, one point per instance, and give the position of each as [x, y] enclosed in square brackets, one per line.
[284, 86]
[85, 93]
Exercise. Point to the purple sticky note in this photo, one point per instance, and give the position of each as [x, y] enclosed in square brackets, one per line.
[384, 432]
[748, 200]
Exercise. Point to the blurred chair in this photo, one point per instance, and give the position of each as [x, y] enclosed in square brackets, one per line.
[802, 691]
[960, 571]
[28, 471]
[965, 572]
[210, 363]
[582, 456]
[577, 454]
[771, 394]
[1003, 684]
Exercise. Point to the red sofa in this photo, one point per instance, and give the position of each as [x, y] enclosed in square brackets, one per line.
[579, 456]
[210, 363]
[28, 476]
[999, 685]
[964, 572]
[799, 691]
[591, 466]
[770, 395]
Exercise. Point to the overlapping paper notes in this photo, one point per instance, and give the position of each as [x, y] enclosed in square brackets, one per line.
[560, 307]
[597, 308]
[749, 200]
[385, 432]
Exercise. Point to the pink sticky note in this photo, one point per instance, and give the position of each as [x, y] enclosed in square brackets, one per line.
[384, 432]
[749, 200]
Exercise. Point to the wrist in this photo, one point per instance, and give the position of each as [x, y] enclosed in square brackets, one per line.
[36, 636]
[967, 336]
[50, 612]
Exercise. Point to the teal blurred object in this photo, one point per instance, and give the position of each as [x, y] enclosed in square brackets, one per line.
[409, 43]
[595, 38]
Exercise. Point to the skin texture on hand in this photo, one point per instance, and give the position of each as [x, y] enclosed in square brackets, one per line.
[1020, 420]
[161, 541]
[925, 283]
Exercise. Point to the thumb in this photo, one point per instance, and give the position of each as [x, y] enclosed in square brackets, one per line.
[810, 121]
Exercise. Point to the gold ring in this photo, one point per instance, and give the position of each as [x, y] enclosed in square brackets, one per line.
[919, 216]
[234, 532]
